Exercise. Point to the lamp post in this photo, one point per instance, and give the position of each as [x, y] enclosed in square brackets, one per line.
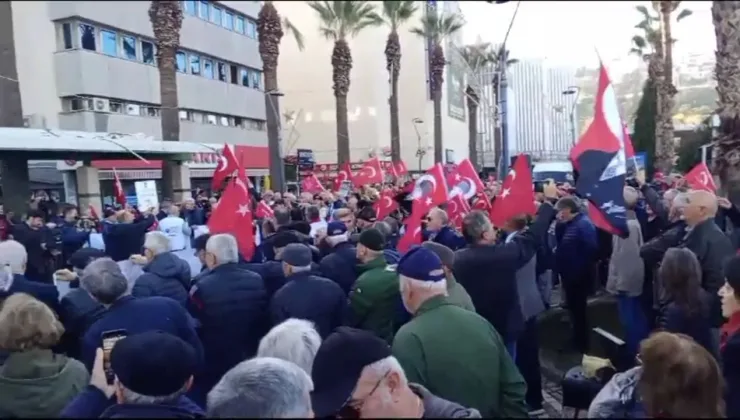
[420, 152]
[573, 90]
[275, 141]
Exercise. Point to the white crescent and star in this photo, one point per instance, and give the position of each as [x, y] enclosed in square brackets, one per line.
[221, 163]
[505, 192]
[241, 185]
[243, 209]
[512, 174]
[390, 202]
[453, 203]
[704, 178]
[373, 171]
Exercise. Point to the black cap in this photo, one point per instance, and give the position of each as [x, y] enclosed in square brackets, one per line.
[368, 214]
[338, 365]
[153, 363]
[285, 238]
[199, 244]
[373, 239]
[297, 255]
[82, 257]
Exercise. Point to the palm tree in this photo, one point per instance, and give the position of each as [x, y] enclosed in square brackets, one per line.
[166, 18]
[270, 32]
[503, 62]
[436, 27]
[395, 13]
[477, 57]
[726, 19]
[339, 21]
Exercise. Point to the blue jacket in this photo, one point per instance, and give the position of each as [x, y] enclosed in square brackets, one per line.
[272, 274]
[166, 275]
[194, 217]
[78, 311]
[123, 240]
[340, 266]
[577, 244]
[92, 403]
[446, 236]
[72, 239]
[313, 298]
[44, 292]
[137, 315]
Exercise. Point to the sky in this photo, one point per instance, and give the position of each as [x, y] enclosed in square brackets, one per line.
[568, 32]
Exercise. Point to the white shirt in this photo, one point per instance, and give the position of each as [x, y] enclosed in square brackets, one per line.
[177, 230]
[316, 226]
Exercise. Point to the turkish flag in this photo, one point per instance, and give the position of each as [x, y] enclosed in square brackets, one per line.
[465, 180]
[371, 173]
[311, 184]
[516, 195]
[385, 205]
[400, 168]
[344, 174]
[232, 214]
[699, 178]
[457, 209]
[432, 185]
[263, 210]
[118, 193]
[93, 213]
[482, 202]
[412, 235]
[227, 164]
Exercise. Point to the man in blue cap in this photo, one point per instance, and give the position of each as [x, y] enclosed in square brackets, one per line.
[450, 350]
[340, 260]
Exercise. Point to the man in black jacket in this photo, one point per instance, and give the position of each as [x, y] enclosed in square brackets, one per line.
[341, 259]
[37, 240]
[124, 237]
[165, 274]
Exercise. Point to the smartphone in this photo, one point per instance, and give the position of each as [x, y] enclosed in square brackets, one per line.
[109, 339]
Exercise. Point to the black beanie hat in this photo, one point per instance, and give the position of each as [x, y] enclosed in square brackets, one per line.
[372, 239]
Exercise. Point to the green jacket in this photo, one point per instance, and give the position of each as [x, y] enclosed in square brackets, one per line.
[457, 295]
[374, 299]
[457, 355]
[37, 383]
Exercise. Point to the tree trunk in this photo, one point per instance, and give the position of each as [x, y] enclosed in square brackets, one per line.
[663, 145]
[668, 90]
[472, 99]
[497, 129]
[395, 128]
[272, 116]
[341, 62]
[170, 118]
[438, 145]
[342, 130]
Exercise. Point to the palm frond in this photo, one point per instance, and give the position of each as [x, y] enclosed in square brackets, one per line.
[340, 19]
[639, 42]
[683, 14]
[439, 27]
[395, 13]
[293, 30]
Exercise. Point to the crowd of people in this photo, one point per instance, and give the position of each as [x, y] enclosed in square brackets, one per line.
[329, 319]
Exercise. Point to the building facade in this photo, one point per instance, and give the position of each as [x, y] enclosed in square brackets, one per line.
[91, 66]
[305, 78]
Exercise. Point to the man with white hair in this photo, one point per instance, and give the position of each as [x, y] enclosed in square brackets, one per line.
[107, 285]
[263, 388]
[356, 376]
[165, 274]
[176, 229]
[453, 351]
[294, 340]
[14, 258]
[231, 304]
[438, 230]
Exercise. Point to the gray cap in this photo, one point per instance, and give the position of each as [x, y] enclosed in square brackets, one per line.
[297, 255]
[444, 253]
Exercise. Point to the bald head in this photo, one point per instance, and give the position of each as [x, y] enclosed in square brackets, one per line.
[702, 205]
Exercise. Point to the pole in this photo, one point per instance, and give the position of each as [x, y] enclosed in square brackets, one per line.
[275, 143]
[573, 107]
[503, 97]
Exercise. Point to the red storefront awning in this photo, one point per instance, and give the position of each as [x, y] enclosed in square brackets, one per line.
[254, 157]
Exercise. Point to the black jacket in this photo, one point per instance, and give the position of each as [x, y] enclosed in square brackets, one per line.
[34, 240]
[44, 292]
[123, 240]
[92, 403]
[166, 275]
[313, 298]
[340, 265]
[78, 311]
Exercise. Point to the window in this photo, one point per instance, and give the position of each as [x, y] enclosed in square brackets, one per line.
[67, 35]
[194, 64]
[115, 107]
[239, 122]
[239, 24]
[244, 76]
[216, 15]
[222, 72]
[234, 72]
[208, 68]
[128, 47]
[189, 6]
[256, 79]
[147, 52]
[211, 119]
[203, 10]
[152, 111]
[108, 43]
[87, 36]
[224, 121]
[251, 29]
[183, 115]
[198, 117]
[228, 21]
[133, 109]
[181, 62]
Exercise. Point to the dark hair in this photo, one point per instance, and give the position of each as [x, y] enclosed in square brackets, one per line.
[732, 274]
[312, 213]
[296, 214]
[68, 208]
[32, 214]
[568, 203]
[282, 217]
[680, 276]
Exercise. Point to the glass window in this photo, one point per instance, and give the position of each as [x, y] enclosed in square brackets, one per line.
[67, 35]
[211, 119]
[87, 36]
[228, 20]
[194, 64]
[239, 24]
[208, 68]
[115, 107]
[189, 6]
[147, 52]
[244, 76]
[234, 74]
[128, 47]
[251, 29]
[222, 72]
[224, 121]
[181, 62]
[203, 10]
[108, 42]
[133, 109]
[239, 122]
[183, 114]
[216, 15]
[152, 111]
[256, 79]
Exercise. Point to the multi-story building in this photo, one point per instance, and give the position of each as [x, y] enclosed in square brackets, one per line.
[91, 66]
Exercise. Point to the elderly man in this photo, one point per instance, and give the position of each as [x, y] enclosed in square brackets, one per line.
[165, 274]
[105, 282]
[450, 350]
[439, 231]
[294, 340]
[123, 236]
[153, 371]
[272, 270]
[374, 296]
[356, 376]
[176, 229]
[231, 304]
[456, 293]
[340, 258]
[14, 258]
[307, 296]
[262, 388]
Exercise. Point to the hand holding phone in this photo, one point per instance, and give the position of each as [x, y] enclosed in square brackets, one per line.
[109, 339]
[98, 378]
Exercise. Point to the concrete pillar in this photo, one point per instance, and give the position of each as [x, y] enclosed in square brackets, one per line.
[181, 183]
[88, 190]
[16, 186]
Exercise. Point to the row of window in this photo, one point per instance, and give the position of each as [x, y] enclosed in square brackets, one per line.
[130, 47]
[138, 109]
[218, 15]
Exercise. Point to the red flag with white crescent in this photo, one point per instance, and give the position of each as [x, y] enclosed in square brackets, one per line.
[699, 178]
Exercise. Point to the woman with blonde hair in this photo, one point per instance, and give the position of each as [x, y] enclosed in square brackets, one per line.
[35, 382]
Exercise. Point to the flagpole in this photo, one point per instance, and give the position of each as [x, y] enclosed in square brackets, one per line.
[503, 96]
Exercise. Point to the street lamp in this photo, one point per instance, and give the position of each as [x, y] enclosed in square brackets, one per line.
[275, 141]
[573, 90]
[420, 152]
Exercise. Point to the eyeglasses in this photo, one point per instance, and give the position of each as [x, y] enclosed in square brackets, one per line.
[353, 408]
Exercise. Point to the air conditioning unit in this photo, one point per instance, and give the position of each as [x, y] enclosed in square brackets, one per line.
[34, 121]
[101, 105]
